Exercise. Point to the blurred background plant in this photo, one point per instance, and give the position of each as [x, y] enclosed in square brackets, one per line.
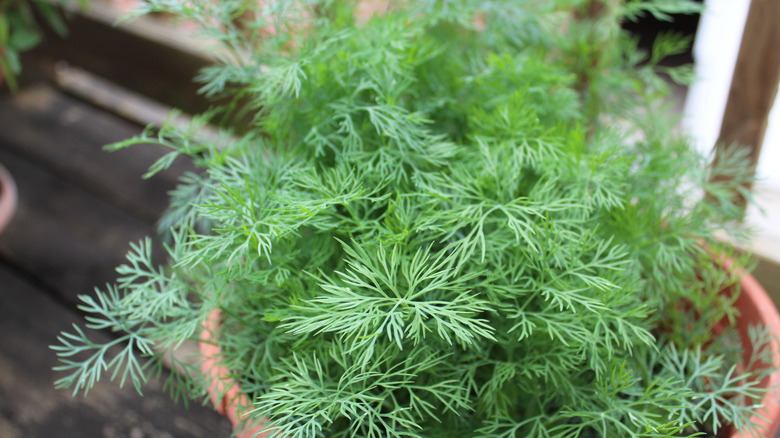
[20, 31]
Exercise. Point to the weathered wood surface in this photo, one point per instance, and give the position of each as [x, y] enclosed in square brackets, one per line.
[66, 137]
[31, 407]
[136, 56]
[79, 208]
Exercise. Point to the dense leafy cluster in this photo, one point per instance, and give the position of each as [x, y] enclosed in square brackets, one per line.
[451, 218]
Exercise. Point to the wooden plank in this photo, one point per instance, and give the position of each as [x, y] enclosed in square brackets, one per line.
[66, 238]
[66, 136]
[31, 407]
[127, 104]
[755, 81]
[134, 57]
[79, 206]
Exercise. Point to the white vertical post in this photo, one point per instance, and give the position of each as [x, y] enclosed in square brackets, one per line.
[715, 53]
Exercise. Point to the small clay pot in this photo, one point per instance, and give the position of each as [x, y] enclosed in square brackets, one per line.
[8, 197]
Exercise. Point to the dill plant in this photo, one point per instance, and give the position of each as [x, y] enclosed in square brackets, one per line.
[452, 218]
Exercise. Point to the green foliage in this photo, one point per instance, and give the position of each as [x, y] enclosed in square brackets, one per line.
[20, 31]
[454, 218]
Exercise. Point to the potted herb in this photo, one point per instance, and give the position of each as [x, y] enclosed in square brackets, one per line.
[451, 218]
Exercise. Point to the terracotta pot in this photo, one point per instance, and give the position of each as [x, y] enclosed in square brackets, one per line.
[8, 197]
[754, 304]
[224, 392]
[756, 307]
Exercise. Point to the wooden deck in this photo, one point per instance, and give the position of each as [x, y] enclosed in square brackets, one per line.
[79, 207]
